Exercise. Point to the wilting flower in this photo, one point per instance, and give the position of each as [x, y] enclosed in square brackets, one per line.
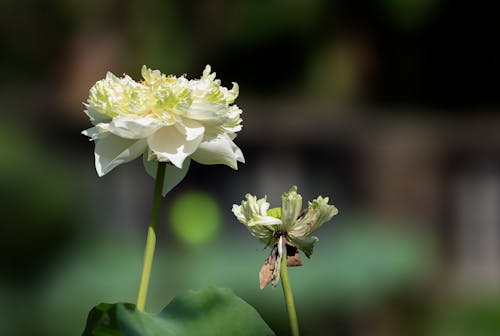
[168, 118]
[288, 229]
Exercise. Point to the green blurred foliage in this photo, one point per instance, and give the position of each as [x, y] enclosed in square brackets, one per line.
[477, 315]
[37, 201]
[354, 268]
[409, 14]
[194, 217]
[62, 248]
[259, 21]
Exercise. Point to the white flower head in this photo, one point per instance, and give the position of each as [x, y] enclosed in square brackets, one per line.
[288, 229]
[168, 118]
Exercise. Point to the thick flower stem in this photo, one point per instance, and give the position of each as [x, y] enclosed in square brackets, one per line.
[151, 238]
[287, 291]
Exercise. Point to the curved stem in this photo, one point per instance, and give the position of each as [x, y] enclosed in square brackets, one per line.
[151, 238]
[287, 291]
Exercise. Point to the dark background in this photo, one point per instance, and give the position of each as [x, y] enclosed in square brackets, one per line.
[389, 107]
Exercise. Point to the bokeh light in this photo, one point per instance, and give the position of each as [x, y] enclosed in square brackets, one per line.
[195, 217]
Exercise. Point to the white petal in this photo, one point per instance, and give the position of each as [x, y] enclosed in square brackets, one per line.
[238, 153]
[259, 220]
[93, 133]
[238, 212]
[207, 70]
[219, 150]
[232, 94]
[277, 265]
[94, 116]
[206, 111]
[253, 214]
[168, 144]
[253, 210]
[97, 132]
[112, 151]
[291, 207]
[318, 213]
[260, 231]
[192, 129]
[133, 127]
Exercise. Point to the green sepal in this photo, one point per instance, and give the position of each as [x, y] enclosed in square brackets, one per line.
[274, 212]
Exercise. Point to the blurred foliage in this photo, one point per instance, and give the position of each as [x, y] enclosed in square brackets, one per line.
[259, 21]
[37, 201]
[478, 315]
[418, 51]
[410, 14]
[194, 217]
[63, 249]
[352, 269]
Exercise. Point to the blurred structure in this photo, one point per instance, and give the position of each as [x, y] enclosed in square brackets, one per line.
[478, 244]
[388, 107]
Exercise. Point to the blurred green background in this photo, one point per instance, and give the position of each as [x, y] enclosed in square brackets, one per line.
[389, 107]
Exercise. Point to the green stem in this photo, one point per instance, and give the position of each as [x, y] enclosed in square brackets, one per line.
[287, 291]
[151, 239]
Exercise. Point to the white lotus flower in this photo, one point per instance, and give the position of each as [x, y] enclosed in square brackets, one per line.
[170, 118]
[286, 229]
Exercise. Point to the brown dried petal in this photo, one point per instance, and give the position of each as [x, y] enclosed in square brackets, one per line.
[294, 260]
[266, 274]
[293, 256]
[267, 271]
[270, 271]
